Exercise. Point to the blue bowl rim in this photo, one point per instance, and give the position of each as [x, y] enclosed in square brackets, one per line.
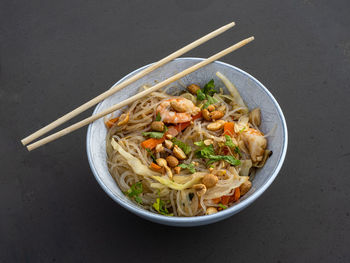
[197, 220]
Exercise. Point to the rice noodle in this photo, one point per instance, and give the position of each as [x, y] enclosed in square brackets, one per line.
[129, 163]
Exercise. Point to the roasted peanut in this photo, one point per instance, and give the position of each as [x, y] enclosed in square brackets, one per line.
[255, 117]
[200, 189]
[211, 210]
[161, 162]
[206, 115]
[124, 119]
[177, 169]
[179, 107]
[168, 144]
[193, 88]
[215, 126]
[157, 126]
[245, 187]
[172, 161]
[179, 153]
[215, 115]
[159, 148]
[209, 180]
[211, 169]
[211, 108]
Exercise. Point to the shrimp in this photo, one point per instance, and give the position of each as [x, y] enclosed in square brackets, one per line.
[255, 142]
[177, 110]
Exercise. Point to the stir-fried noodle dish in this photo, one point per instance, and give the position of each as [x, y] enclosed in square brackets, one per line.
[191, 153]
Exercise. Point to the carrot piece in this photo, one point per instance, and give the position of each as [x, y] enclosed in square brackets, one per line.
[111, 122]
[225, 199]
[216, 200]
[155, 167]
[152, 143]
[229, 129]
[237, 194]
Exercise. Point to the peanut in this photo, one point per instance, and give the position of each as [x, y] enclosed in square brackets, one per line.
[211, 108]
[210, 180]
[179, 107]
[177, 169]
[179, 153]
[215, 126]
[211, 210]
[206, 115]
[172, 161]
[215, 115]
[157, 126]
[245, 187]
[168, 144]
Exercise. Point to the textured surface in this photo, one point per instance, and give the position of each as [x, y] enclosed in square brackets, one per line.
[57, 54]
[253, 93]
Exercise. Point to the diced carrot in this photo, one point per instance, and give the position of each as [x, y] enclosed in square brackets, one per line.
[111, 122]
[216, 200]
[155, 167]
[225, 199]
[229, 129]
[237, 194]
[152, 143]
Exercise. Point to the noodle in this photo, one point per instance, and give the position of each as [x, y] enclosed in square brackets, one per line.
[187, 187]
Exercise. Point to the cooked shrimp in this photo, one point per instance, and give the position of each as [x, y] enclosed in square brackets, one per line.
[177, 110]
[255, 142]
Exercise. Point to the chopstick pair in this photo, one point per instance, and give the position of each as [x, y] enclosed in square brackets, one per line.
[122, 85]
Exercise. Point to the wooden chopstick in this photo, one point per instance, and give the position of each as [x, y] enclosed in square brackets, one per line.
[125, 83]
[139, 95]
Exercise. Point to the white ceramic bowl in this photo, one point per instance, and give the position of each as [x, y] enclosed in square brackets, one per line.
[252, 92]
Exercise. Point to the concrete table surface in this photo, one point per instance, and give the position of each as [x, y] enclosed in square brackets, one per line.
[56, 55]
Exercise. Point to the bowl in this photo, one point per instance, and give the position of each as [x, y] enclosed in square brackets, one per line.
[253, 93]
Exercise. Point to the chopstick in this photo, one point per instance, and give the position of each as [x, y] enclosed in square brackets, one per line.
[125, 83]
[139, 95]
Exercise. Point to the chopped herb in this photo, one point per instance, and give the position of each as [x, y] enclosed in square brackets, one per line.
[159, 206]
[223, 206]
[190, 196]
[158, 117]
[200, 95]
[190, 167]
[237, 150]
[209, 88]
[134, 192]
[228, 158]
[165, 129]
[211, 100]
[151, 154]
[185, 147]
[229, 141]
[156, 135]
[207, 152]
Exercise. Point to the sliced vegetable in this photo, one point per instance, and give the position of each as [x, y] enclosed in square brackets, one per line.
[200, 95]
[155, 167]
[111, 122]
[223, 206]
[237, 194]
[229, 129]
[158, 117]
[156, 135]
[152, 143]
[228, 158]
[225, 199]
[229, 141]
[160, 207]
[190, 167]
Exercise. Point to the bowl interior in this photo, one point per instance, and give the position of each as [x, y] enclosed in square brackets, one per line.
[252, 92]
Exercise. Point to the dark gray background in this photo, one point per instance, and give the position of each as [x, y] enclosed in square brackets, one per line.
[56, 55]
